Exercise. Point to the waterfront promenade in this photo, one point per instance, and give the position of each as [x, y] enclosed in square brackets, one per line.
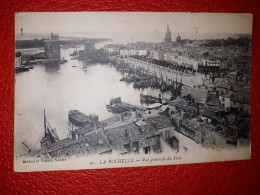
[187, 79]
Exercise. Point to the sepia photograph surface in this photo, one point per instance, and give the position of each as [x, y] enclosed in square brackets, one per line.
[126, 89]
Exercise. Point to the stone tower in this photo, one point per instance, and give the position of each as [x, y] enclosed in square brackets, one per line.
[168, 36]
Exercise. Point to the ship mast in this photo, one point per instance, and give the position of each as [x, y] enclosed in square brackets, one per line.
[44, 124]
[26, 146]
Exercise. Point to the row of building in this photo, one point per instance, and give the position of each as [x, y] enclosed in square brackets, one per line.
[167, 56]
[188, 53]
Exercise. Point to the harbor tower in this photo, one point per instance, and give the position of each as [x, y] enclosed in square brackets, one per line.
[52, 47]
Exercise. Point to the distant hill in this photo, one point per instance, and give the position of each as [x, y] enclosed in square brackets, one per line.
[37, 40]
[241, 42]
[35, 43]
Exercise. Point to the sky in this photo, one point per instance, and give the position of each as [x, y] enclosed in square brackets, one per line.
[132, 24]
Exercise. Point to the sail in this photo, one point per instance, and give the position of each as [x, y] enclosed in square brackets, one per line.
[50, 134]
[54, 134]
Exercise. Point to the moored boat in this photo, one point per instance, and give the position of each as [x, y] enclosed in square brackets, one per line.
[75, 53]
[21, 68]
[50, 134]
[148, 99]
[117, 106]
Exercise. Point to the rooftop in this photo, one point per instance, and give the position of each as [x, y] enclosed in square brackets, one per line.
[241, 97]
[184, 105]
[195, 125]
[84, 130]
[191, 124]
[118, 137]
[213, 101]
[199, 95]
[211, 113]
[108, 121]
[161, 121]
[90, 144]
[226, 95]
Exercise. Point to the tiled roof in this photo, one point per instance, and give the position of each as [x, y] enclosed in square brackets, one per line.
[205, 127]
[241, 97]
[161, 121]
[62, 144]
[147, 130]
[226, 95]
[192, 125]
[119, 136]
[96, 143]
[108, 121]
[141, 123]
[196, 125]
[87, 145]
[84, 130]
[211, 113]
[111, 119]
[224, 84]
[214, 101]
[184, 105]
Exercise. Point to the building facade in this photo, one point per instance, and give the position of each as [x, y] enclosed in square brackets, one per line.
[209, 65]
[225, 102]
[132, 52]
[156, 55]
[181, 60]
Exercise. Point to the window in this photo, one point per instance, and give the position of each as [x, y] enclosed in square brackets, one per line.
[223, 99]
[147, 150]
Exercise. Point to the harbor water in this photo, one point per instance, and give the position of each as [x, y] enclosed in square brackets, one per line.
[57, 89]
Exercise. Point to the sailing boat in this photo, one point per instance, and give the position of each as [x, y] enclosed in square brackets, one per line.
[75, 53]
[50, 137]
[50, 134]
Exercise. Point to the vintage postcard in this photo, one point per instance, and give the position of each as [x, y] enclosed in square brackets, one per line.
[123, 89]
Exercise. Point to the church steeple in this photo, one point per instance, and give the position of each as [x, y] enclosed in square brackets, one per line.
[168, 36]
